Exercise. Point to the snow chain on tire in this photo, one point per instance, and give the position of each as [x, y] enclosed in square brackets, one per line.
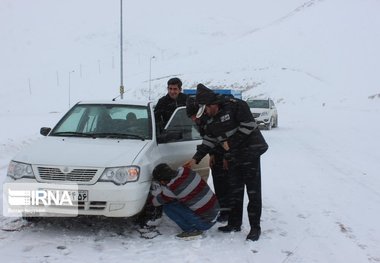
[148, 232]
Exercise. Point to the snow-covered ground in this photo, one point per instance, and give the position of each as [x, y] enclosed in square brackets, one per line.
[319, 60]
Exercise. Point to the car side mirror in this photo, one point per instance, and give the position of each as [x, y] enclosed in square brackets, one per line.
[169, 136]
[45, 131]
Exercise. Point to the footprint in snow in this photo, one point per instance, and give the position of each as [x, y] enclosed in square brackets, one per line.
[27, 248]
[302, 216]
[64, 250]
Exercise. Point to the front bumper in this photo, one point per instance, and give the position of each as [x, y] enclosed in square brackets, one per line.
[104, 198]
[262, 121]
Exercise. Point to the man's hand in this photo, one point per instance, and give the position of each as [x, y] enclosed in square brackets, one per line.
[225, 164]
[190, 164]
[226, 147]
[211, 161]
[155, 188]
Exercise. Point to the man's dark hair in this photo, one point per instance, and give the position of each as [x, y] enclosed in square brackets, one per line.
[175, 81]
[163, 172]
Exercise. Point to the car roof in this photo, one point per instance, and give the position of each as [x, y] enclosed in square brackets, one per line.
[117, 102]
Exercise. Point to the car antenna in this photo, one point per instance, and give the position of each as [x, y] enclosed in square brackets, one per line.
[116, 97]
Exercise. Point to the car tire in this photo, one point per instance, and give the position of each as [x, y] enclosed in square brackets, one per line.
[275, 125]
[270, 124]
[32, 219]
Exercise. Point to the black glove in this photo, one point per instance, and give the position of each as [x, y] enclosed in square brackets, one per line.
[227, 156]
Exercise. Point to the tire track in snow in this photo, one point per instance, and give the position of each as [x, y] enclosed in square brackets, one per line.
[333, 162]
[340, 169]
[313, 76]
[349, 233]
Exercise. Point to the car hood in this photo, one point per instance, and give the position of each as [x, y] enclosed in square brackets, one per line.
[86, 152]
[258, 110]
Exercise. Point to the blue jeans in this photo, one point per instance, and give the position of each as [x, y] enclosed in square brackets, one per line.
[185, 218]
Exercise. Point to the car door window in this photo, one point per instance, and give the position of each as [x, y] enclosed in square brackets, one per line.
[177, 152]
[180, 122]
[272, 104]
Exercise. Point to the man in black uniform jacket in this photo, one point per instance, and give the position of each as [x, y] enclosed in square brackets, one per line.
[168, 103]
[232, 125]
[219, 173]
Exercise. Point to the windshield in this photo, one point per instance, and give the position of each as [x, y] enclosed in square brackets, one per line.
[105, 121]
[258, 103]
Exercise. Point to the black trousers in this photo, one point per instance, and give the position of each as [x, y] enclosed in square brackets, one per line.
[221, 184]
[244, 171]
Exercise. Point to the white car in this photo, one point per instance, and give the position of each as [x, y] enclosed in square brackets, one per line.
[264, 111]
[108, 150]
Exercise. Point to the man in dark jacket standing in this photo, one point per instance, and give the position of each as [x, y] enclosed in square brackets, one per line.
[232, 125]
[168, 103]
[162, 112]
[218, 171]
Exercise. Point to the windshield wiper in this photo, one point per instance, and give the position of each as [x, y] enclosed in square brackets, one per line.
[72, 134]
[117, 135]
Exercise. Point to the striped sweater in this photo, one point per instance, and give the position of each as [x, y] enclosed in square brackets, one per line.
[189, 189]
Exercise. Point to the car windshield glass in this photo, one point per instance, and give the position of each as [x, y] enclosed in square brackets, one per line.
[106, 121]
[258, 103]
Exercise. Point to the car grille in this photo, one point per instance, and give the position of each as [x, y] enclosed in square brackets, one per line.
[80, 205]
[255, 115]
[76, 175]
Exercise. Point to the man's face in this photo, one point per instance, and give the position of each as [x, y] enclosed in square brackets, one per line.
[173, 91]
[164, 183]
[212, 110]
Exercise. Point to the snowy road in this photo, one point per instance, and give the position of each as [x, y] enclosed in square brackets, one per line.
[319, 61]
[321, 204]
[324, 187]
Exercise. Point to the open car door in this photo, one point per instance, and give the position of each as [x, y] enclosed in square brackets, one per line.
[178, 142]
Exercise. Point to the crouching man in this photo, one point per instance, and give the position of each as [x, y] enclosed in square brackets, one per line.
[186, 199]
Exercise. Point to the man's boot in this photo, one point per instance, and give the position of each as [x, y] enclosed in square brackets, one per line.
[254, 234]
[229, 228]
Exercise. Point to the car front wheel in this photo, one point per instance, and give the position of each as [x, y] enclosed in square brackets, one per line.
[275, 125]
[270, 124]
[32, 219]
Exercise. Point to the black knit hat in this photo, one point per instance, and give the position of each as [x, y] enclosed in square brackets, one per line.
[163, 172]
[205, 96]
[191, 107]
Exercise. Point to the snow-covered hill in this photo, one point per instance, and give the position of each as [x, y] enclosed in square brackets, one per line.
[318, 59]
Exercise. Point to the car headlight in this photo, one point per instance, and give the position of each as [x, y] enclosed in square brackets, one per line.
[18, 170]
[120, 175]
[265, 113]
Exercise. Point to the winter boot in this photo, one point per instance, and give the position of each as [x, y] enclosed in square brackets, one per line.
[229, 228]
[254, 234]
[223, 217]
[190, 235]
